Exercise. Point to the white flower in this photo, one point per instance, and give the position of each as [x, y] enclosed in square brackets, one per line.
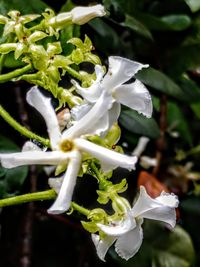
[67, 150]
[78, 15]
[134, 95]
[128, 234]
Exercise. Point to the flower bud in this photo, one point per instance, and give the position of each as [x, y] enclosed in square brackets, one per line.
[81, 15]
[78, 15]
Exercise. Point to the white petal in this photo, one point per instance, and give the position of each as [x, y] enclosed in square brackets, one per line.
[33, 157]
[43, 105]
[81, 15]
[30, 146]
[141, 146]
[105, 155]
[92, 93]
[80, 111]
[102, 246]
[114, 113]
[120, 70]
[164, 214]
[56, 183]
[99, 127]
[63, 200]
[128, 244]
[86, 125]
[135, 96]
[147, 207]
[170, 200]
[118, 228]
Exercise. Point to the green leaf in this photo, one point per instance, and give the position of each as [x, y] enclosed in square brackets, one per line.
[178, 122]
[136, 123]
[194, 5]
[33, 6]
[174, 22]
[177, 22]
[196, 109]
[161, 248]
[136, 26]
[184, 58]
[161, 82]
[172, 248]
[106, 33]
[11, 180]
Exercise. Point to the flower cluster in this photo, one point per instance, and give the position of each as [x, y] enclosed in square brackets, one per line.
[90, 135]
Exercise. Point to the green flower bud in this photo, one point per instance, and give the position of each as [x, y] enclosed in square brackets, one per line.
[113, 135]
[36, 36]
[77, 56]
[7, 48]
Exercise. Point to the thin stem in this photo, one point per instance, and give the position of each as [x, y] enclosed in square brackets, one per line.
[74, 73]
[80, 209]
[39, 196]
[15, 73]
[161, 142]
[23, 130]
[103, 183]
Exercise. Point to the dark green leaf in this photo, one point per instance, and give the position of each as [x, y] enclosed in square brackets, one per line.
[177, 121]
[33, 6]
[161, 248]
[11, 180]
[106, 33]
[177, 22]
[166, 23]
[184, 58]
[136, 26]
[196, 109]
[194, 5]
[161, 82]
[136, 123]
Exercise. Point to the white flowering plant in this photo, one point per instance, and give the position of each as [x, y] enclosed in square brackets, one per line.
[80, 97]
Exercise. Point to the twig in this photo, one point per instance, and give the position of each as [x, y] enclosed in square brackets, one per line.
[160, 144]
[26, 243]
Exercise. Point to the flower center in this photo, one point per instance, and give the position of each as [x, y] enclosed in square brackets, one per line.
[66, 145]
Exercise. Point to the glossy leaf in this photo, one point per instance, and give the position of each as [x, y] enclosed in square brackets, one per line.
[136, 123]
[11, 180]
[33, 6]
[177, 22]
[161, 82]
[136, 26]
[161, 248]
[178, 122]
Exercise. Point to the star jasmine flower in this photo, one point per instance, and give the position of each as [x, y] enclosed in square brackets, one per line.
[67, 150]
[127, 233]
[134, 95]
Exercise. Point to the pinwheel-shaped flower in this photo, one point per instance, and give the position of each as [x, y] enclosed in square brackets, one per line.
[134, 95]
[66, 151]
[127, 233]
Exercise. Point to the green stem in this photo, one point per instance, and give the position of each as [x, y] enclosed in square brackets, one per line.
[23, 130]
[15, 73]
[103, 183]
[39, 196]
[80, 209]
[74, 73]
